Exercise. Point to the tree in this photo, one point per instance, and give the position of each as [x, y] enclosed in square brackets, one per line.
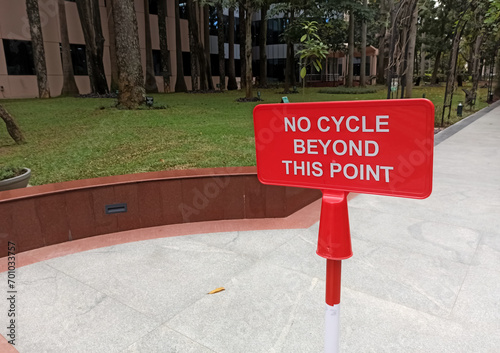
[243, 36]
[112, 46]
[410, 49]
[437, 26]
[402, 47]
[248, 49]
[165, 55]
[69, 84]
[231, 72]
[12, 127]
[220, 47]
[313, 50]
[151, 86]
[262, 45]
[38, 48]
[180, 82]
[383, 15]
[90, 18]
[350, 67]
[493, 19]
[206, 45]
[198, 63]
[362, 71]
[130, 76]
[462, 7]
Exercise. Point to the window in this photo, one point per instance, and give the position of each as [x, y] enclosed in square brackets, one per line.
[153, 7]
[19, 57]
[357, 66]
[186, 62]
[212, 20]
[276, 69]
[237, 30]
[183, 10]
[237, 67]
[255, 33]
[157, 62]
[275, 27]
[214, 64]
[79, 59]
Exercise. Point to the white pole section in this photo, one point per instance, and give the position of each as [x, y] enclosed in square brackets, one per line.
[332, 329]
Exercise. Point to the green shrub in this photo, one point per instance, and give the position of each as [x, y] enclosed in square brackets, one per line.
[350, 90]
[9, 172]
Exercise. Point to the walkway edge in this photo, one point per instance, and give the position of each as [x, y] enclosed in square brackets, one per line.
[453, 129]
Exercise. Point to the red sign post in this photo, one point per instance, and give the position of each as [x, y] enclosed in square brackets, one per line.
[382, 147]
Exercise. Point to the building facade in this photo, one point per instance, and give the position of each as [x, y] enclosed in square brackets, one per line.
[17, 73]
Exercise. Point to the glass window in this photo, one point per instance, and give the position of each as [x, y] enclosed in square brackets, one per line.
[186, 61]
[79, 59]
[237, 30]
[19, 57]
[212, 20]
[255, 33]
[276, 69]
[183, 10]
[214, 64]
[157, 62]
[275, 27]
[153, 7]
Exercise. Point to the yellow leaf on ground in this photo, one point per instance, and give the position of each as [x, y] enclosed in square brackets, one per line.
[217, 290]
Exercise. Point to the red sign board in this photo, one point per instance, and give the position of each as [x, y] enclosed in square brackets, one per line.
[382, 147]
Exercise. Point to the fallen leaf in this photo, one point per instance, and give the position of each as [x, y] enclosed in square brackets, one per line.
[217, 290]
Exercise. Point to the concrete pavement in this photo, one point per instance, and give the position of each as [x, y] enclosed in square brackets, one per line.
[425, 277]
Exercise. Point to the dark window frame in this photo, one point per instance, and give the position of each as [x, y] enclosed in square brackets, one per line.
[19, 57]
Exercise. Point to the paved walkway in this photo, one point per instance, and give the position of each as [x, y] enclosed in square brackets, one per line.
[425, 277]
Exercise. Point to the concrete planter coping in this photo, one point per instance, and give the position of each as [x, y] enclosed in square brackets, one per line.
[17, 182]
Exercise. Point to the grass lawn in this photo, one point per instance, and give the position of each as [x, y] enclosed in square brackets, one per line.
[76, 138]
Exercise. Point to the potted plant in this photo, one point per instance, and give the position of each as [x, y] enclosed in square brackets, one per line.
[13, 177]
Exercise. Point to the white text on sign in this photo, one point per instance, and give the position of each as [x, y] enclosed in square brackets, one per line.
[339, 147]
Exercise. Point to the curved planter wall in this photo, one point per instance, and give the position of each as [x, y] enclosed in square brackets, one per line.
[54, 213]
[20, 181]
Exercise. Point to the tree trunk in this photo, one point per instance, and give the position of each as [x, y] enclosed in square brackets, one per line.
[392, 49]
[69, 84]
[196, 65]
[288, 67]
[38, 48]
[151, 86]
[165, 55]
[437, 61]
[202, 62]
[422, 61]
[476, 56]
[12, 127]
[350, 70]
[130, 75]
[262, 46]
[220, 47]
[289, 63]
[180, 82]
[362, 72]
[206, 44]
[242, 45]
[385, 7]
[90, 19]
[112, 47]
[412, 39]
[193, 50]
[496, 91]
[248, 50]
[231, 72]
[450, 83]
